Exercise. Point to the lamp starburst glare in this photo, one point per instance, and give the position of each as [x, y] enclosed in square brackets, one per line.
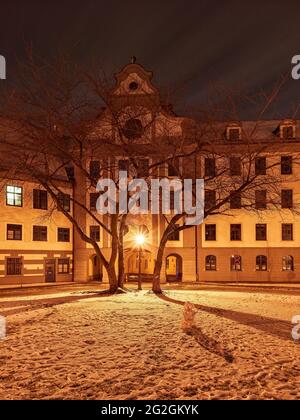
[140, 239]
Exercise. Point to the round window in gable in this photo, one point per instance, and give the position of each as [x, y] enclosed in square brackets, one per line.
[133, 128]
[133, 86]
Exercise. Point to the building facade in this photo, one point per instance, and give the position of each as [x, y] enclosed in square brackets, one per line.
[39, 244]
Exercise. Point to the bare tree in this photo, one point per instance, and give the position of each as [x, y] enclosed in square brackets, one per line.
[59, 118]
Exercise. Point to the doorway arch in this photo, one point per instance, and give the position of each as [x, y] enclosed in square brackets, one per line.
[95, 268]
[174, 267]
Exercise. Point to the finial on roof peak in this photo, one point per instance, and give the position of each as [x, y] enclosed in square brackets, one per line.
[133, 59]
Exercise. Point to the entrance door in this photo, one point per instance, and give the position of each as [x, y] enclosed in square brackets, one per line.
[50, 271]
[174, 268]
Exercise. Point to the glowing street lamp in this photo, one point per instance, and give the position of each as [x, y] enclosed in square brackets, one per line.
[140, 240]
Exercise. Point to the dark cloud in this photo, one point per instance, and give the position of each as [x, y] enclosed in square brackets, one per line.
[188, 44]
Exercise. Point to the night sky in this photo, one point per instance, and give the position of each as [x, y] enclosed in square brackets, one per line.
[190, 45]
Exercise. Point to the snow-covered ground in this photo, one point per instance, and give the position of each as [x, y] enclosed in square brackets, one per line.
[131, 346]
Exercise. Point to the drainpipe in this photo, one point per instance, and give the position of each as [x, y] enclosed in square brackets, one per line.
[73, 231]
[196, 230]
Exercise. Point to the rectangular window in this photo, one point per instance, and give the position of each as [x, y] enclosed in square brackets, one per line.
[173, 167]
[93, 201]
[261, 232]
[235, 166]
[95, 233]
[14, 196]
[287, 199]
[210, 232]
[261, 166]
[288, 132]
[287, 232]
[236, 201]
[143, 168]
[64, 201]
[286, 165]
[233, 134]
[63, 266]
[236, 232]
[210, 167]
[14, 232]
[95, 169]
[14, 266]
[124, 165]
[63, 235]
[172, 200]
[40, 199]
[260, 199]
[210, 199]
[39, 233]
[174, 236]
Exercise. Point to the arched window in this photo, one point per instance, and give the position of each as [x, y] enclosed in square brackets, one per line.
[133, 128]
[288, 263]
[211, 263]
[261, 263]
[236, 263]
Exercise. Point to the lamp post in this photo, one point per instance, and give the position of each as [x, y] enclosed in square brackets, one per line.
[140, 240]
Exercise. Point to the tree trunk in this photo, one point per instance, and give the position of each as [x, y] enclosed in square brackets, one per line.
[121, 260]
[157, 268]
[160, 254]
[113, 280]
[121, 273]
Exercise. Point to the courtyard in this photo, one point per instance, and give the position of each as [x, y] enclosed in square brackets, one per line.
[77, 344]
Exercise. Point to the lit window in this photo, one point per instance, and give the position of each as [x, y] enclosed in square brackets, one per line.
[14, 232]
[63, 266]
[236, 263]
[14, 196]
[261, 263]
[288, 263]
[210, 263]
